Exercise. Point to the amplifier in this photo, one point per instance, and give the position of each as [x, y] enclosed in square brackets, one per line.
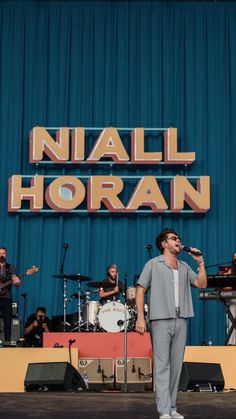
[14, 309]
[15, 329]
[99, 370]
[139, 370]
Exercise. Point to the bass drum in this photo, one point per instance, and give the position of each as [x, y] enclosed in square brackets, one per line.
[112, 315]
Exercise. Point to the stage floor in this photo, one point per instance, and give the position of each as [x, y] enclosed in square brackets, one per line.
[109, 405]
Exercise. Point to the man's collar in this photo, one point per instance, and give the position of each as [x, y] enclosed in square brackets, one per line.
[162, 258]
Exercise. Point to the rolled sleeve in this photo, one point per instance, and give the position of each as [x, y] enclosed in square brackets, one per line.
[146, 276]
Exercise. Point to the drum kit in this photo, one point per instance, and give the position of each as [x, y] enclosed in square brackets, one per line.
[94, 317]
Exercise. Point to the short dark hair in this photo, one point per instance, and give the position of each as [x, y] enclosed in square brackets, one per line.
[3, 248]
[43, 309]
[111, 266]
[162, 236]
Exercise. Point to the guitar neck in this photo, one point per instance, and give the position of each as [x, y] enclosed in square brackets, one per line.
[10, 281]
[5, 284]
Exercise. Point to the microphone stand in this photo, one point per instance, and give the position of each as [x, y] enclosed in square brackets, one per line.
[71, 341]
[148, 247]
[125, 338]
[65, 246]
[24, 295]
[219, 264]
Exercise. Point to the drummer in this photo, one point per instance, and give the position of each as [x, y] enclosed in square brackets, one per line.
[107, 292]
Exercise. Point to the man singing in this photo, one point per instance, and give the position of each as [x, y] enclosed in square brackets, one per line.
[167, 281]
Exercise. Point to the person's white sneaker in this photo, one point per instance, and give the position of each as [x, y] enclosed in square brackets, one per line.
[165, 417]
[176, 415]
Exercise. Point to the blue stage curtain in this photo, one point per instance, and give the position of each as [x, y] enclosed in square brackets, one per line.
[129, 64]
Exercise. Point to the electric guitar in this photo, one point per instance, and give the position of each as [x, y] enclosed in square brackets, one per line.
[5, 284]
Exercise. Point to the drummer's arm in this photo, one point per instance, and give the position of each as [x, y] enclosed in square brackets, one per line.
[103, 294]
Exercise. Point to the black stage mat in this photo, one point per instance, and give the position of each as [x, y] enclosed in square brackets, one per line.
[112, 405]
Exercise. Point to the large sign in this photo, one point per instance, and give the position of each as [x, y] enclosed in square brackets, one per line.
[96, 192]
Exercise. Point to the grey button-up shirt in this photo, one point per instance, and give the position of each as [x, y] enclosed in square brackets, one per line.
[158, 278]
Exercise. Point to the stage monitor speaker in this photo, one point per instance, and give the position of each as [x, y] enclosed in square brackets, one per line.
[139, 370]
[15, 329]
[201, 376]
[14, 312]
[99, 370]
[55, 376]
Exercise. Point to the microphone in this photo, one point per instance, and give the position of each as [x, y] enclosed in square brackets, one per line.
[148, 246]
[133, 367]
[99, 371]
[57, 345]
[193, 252]
[65, 245]
[71, 341]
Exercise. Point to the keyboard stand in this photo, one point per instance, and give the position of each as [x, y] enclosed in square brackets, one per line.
[231, 318]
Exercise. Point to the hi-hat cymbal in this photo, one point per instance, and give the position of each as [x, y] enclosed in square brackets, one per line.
[101, 284]
[73, 277]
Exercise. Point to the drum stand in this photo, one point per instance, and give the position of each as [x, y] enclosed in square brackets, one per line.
[87, 300]
[125, 339]
[64, 303]
[79, 323]
[65, 247]
[79, 304]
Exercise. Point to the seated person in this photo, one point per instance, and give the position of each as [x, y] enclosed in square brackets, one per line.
[35, 326]
[111, 287]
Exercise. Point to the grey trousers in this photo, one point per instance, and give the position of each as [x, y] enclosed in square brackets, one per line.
[168, 342]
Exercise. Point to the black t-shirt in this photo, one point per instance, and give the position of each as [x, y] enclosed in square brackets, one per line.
[35, 337]
[107, 288]
[6, 274]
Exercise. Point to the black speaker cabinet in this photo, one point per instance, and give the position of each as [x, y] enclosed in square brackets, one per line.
[200, 375]
[15, 329]
[55, 376]
[14, 309]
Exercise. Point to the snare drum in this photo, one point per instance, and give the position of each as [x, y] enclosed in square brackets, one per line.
[112, 315]
[90, 311]
[130, 296]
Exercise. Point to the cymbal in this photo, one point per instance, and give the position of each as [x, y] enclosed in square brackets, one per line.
[101, 284]
[73, 277]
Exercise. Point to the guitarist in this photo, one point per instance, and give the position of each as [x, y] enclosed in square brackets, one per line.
[7, 272]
